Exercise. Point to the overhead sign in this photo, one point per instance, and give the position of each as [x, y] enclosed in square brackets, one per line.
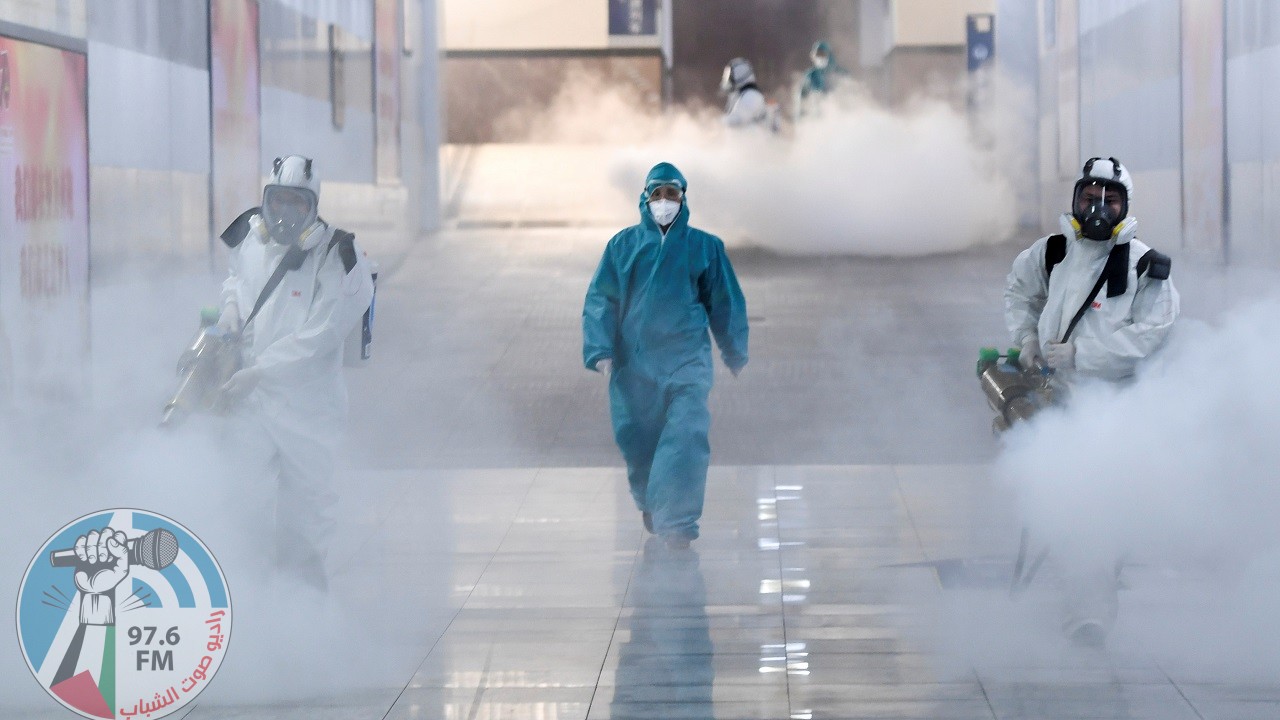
[981, 34]
[633, 17]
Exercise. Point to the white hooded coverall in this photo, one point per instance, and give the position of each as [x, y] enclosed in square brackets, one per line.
[1111, 339]
[746, 106]
[1115, 334]
[295, 414]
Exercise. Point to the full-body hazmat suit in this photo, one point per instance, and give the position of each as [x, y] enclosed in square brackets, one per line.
[746, 105]
[293, 398]
[818, 80]
[1128, 320]
[647, 312]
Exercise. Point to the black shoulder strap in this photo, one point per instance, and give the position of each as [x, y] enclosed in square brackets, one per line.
[292, 260]
[1102, 278]
[1156, 264]
[239, 228]
[1117, 270]
[1054, 252]
[1115, 275]
[345, 243]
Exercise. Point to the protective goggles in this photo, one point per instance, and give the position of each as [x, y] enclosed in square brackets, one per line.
[284, 199]
[1092, 190]
[288, 211]
[668, 191]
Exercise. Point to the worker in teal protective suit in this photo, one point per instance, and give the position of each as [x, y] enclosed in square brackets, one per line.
[659, 287]
[818, 80]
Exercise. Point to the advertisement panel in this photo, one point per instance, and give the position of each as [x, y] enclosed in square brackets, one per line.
[1203, 127]
[44, 223]
[1067, 34]
[386, 45]
[233, 80]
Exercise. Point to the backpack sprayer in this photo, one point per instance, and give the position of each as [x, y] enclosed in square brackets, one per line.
[209, 361]
[1014, 392]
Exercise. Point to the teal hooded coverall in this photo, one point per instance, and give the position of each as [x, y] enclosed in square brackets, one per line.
[648, 309]
[816, 80]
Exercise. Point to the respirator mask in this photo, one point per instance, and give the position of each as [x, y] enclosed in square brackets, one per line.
[1099, 204]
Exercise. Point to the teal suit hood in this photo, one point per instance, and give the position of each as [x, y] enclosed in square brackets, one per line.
[664, 173]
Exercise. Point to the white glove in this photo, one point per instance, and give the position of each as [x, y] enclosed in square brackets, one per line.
[1061, 356]
[242, 383]
[604, 366]
[229, 320]
[1030, 353]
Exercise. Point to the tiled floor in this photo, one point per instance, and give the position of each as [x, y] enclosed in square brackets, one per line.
[808, 596]
[855, 554]
[849, 456]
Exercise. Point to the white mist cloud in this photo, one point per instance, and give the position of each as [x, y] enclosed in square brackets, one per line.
[59, 462]
[1178, 474]
[860, 179]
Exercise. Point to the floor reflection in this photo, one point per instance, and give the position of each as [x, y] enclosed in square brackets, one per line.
[665, 665]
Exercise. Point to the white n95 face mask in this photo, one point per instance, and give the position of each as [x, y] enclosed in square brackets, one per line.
[664, 211]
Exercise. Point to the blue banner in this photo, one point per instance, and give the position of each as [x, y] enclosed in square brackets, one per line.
[633, 17]
[981, 32]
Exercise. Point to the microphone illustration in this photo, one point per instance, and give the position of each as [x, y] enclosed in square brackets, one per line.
[156, 550]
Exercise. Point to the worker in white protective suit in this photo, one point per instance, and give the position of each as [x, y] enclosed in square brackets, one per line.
[290, 398]
[1092, 302]
[1127, 320]
[746, 105]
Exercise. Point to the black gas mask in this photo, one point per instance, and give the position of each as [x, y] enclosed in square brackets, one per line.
[1092, 203]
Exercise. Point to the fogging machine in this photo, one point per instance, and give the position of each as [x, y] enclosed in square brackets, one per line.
[1015, 393]
[209, 361]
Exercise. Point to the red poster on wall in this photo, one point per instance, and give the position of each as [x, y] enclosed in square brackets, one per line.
[44, 224]
[233, 84]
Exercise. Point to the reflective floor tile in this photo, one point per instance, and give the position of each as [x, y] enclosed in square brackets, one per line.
[492, 704]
